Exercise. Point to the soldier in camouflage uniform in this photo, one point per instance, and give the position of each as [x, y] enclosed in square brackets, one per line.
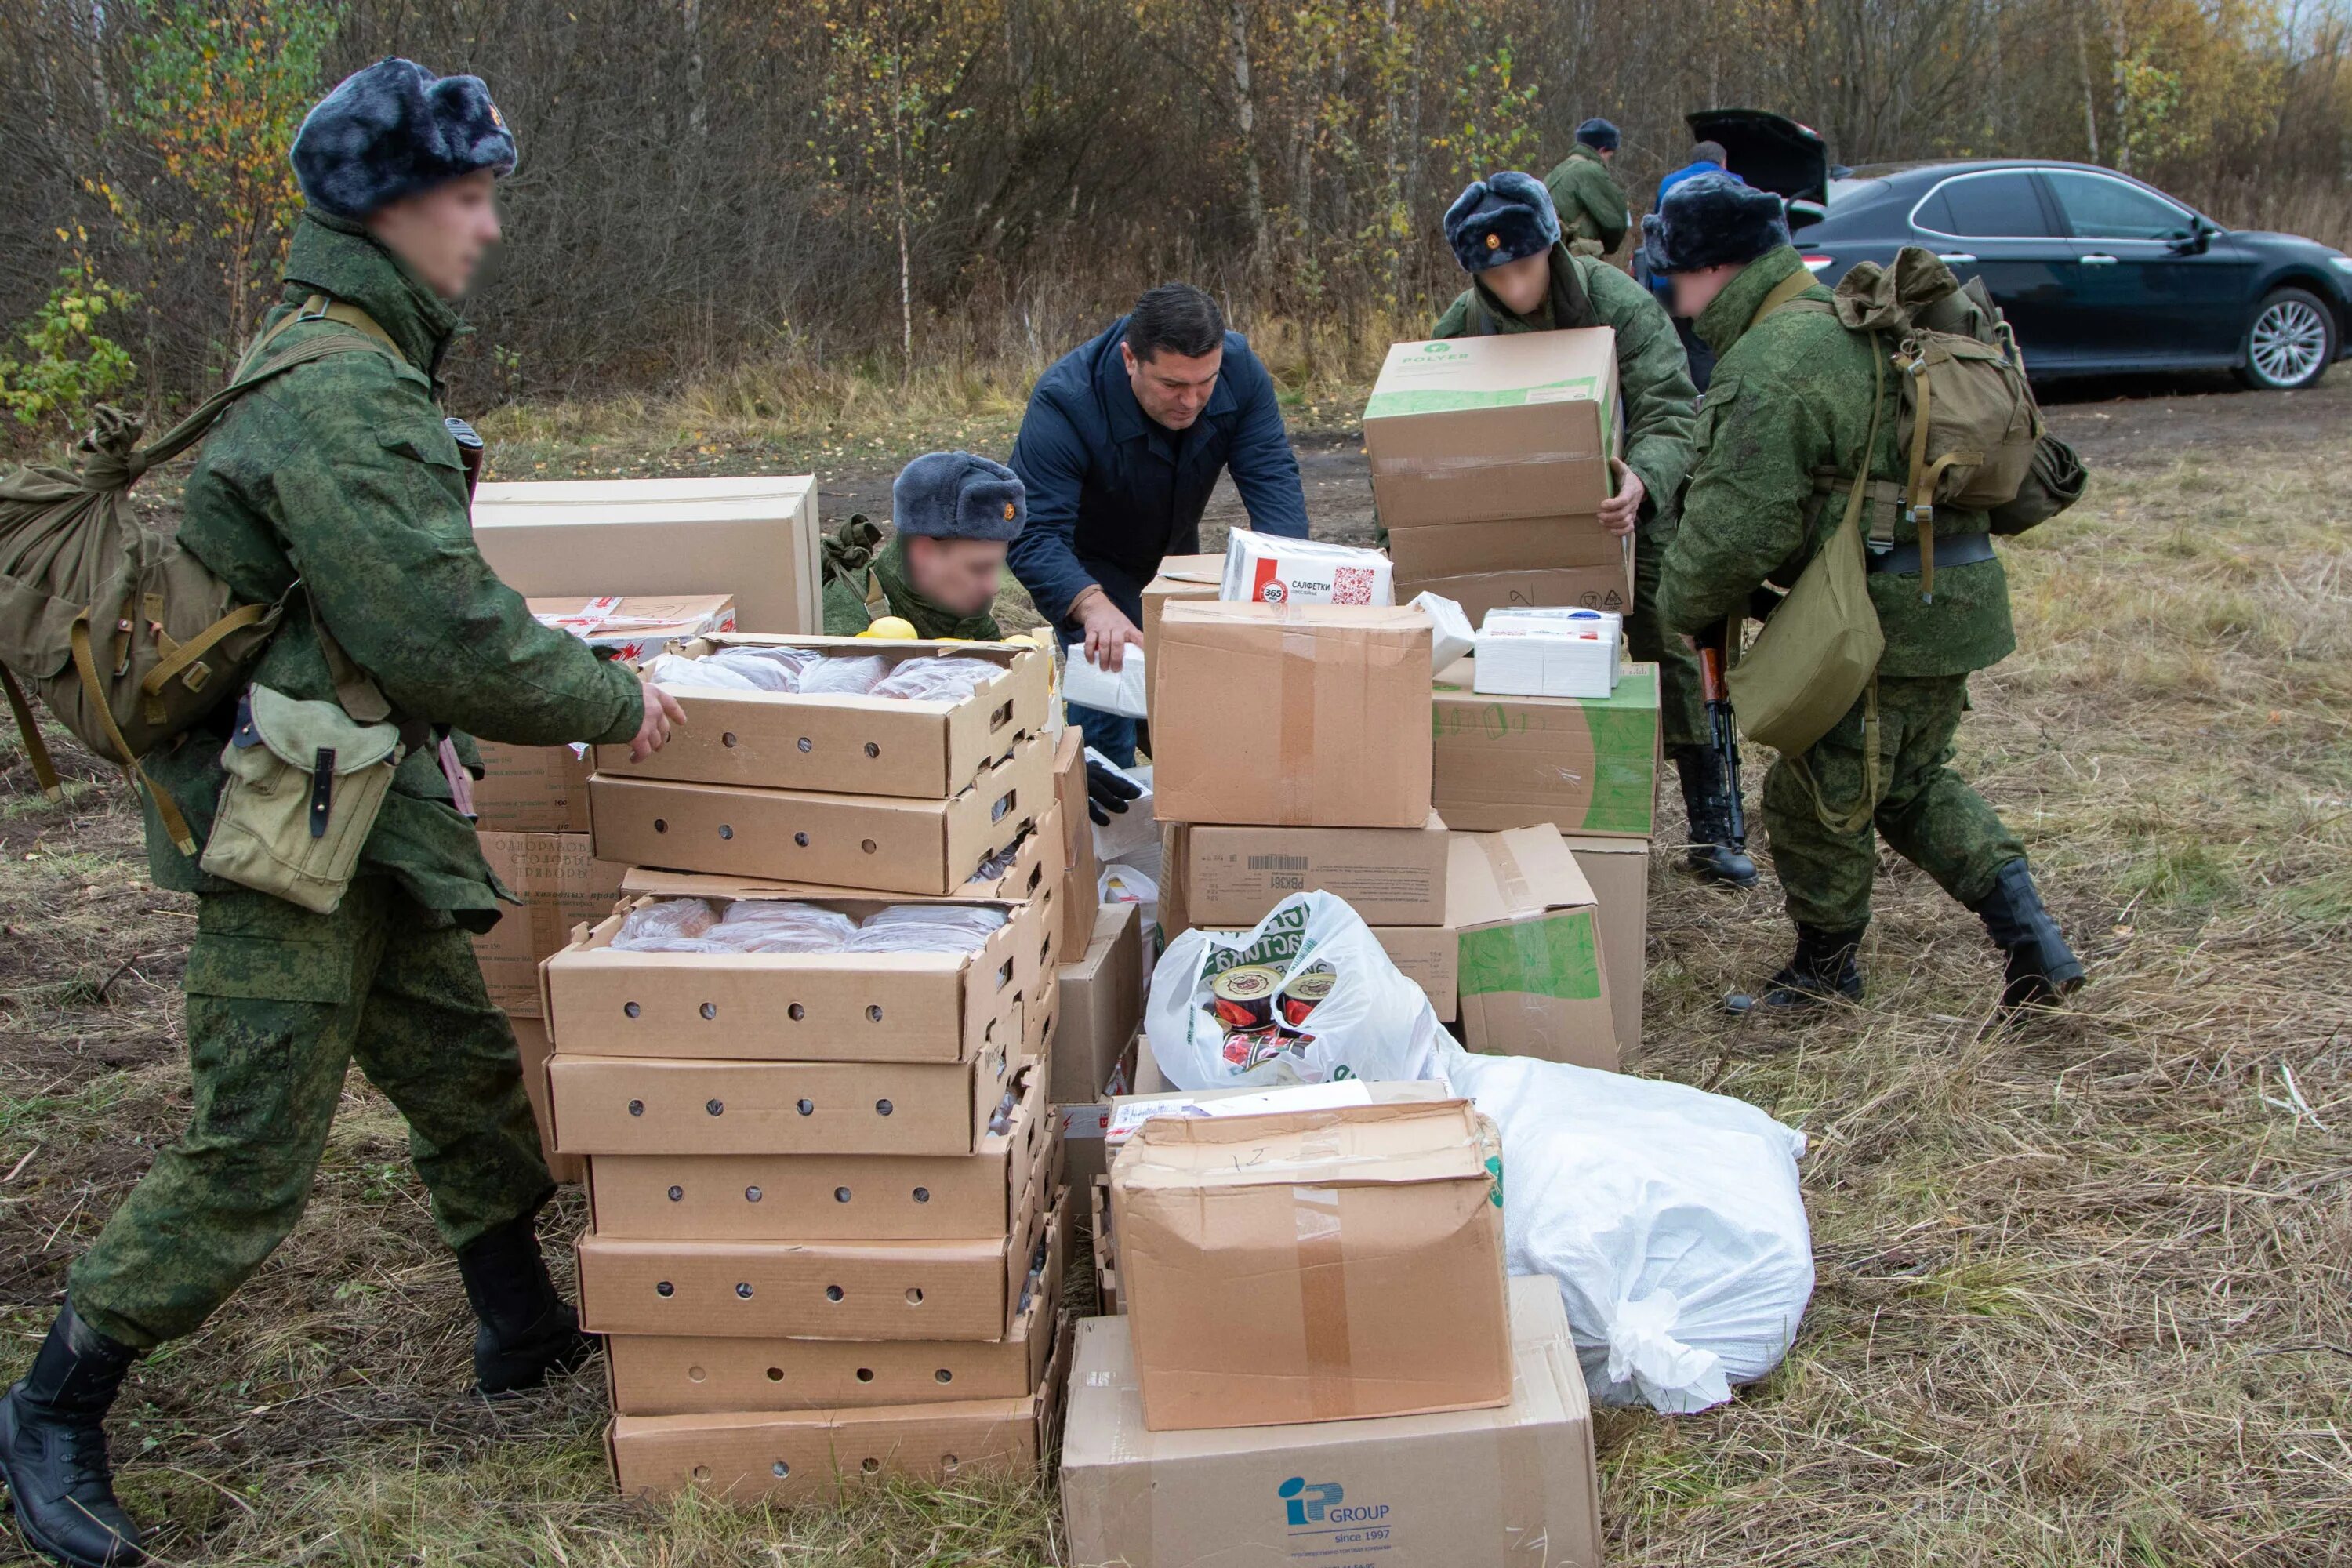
[952, 517]
[1507, 237]
[341, 472]
[1593, 212]
[1782, 427]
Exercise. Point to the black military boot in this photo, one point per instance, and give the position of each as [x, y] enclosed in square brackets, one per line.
[1716, 853]
[1823, 970]
[53, 1449]
[527, 1329]
[2042, 967]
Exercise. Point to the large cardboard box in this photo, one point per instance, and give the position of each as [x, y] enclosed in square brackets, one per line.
[1609, 587]
[1233, 876]
[1513, 544]
[754, 538]
[694, 1196]
[811, 1290]
[1533, 982]
[561, 885]
[829, 1456]
[1081, 893]
[532, 1044]
[635, 626]
[1306, 715]
[533, 789]
[1193, 577]
[632, 1105]
[1101, 1004]
[1619, 872]
[1479, 429]
[1431, 957]
[1314, 1266]
[888, 842]
[847, 745]
[1512, 1487]
[1586, 765]
[1029, 870]
[657, 1374]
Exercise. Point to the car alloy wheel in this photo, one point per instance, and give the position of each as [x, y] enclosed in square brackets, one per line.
[2287, 346]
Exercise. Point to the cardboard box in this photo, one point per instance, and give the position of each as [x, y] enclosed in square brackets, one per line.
[1314, 1266]
[1559, 652]
[1233, 876]
[1105, 1244]
[1082, 875]
[693, 1196]
[654, 1375]
[561, 885]
[632, 1105]
[847, 745]
[1431, 957]
[1515, 544]
[1586, 766]
[754, 538]
[1506, 1487]
[531, 789]
[1083, 1123]
[884, 842]
[1308, 715]
[1478, 429]
[812, 1290]
[531, 1045]
[1618, 869]
[1101, 1004]
[1582, 587]
[1030, 871]
[791, 1007]
[1193, 577]
[785, 1458]
[1268, 569]
[1533, 980]
[637, 626]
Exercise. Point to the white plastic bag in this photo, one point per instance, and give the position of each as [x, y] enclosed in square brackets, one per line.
[1370, 1022]
[1671, 1217]
[844, 674]
[678, 671]
[1450, 636]
[1119, 691]
[946, 679]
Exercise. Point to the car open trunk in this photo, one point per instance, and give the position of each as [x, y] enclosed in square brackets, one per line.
[1768, 150]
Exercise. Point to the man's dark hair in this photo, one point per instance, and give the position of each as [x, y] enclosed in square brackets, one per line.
[1710, 153]
[1176, 317]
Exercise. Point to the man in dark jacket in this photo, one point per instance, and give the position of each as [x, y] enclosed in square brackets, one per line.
[1123, 441]
[343, 473]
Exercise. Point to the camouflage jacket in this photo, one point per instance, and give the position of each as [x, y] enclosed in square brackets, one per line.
[1653, 372]
[866, 579]
[1590, 203]
[340, 473]
[1790, 399]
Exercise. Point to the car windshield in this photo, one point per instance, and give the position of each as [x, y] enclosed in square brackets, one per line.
[1853, 190]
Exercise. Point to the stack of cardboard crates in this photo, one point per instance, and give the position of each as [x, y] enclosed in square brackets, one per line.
[827, 1218]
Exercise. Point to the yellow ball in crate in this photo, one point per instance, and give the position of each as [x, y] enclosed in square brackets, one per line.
[891, 628]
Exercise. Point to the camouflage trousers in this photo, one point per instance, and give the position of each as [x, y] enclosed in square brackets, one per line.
[1682, 708]
[1924, 810]
[281, 1001]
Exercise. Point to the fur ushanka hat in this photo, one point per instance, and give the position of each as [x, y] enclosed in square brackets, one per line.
[393, 130]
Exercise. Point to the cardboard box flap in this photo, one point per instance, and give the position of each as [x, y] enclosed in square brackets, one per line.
[1366, 1145]
[1498, 877]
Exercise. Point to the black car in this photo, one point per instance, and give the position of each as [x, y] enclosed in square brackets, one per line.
[2097, 271]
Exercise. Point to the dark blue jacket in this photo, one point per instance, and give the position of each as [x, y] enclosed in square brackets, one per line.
[1659, 286]
[1111, 493]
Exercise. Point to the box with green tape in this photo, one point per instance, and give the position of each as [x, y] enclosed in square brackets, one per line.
[1532, 979]
[1588, 766]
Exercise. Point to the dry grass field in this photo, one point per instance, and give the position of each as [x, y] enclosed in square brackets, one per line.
[2085, 1289]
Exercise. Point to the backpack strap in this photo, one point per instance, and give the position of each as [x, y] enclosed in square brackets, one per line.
[28, 729]
[1785, 293]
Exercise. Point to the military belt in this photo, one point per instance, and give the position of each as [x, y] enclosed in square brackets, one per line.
[1951, 550]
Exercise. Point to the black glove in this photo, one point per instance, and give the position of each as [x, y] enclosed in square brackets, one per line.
[1107, 792]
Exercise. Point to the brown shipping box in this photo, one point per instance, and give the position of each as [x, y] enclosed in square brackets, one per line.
[632, 1105]
[1576, 587]
[816, 1290]
[1106, 1237]
[1586, 765]
[1314, 1266]
[1511, 1486]
[1101, 1004]
[831, 1197]
[659, 1374]
[563, 885]
[1033, 871]
[887, 842]
[1479, 429]
[1515, 544]
[1533, 982]
[1233, 876]
[1431, 957]
[1083, 1123]
[829, 1456]
[1619, 872]
[531, 789]
[1304, 715]
[1081, 876]
[796, 1006]
[1180, 577]
[848, 745]
[531, 1045]
[755, 538]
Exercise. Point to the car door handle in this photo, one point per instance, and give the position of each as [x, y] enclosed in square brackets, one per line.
[2097, 260]
[1955, 257]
